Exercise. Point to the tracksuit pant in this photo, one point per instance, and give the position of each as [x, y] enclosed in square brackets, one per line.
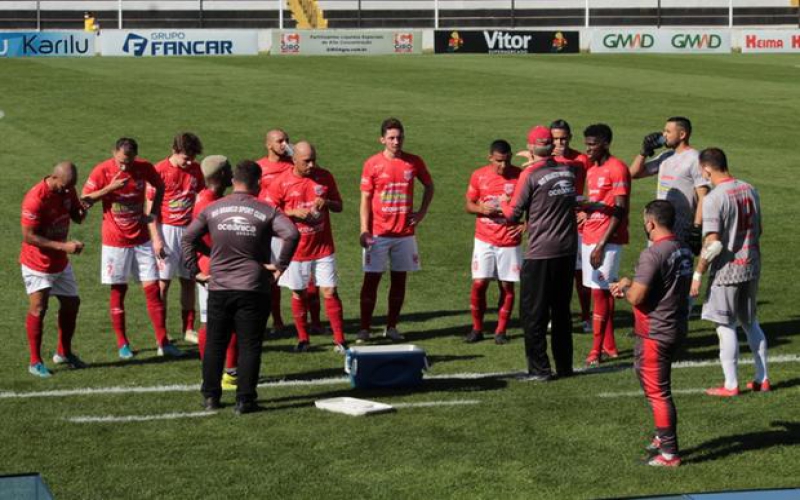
[244, 313]
[546, 293]
[653, 366]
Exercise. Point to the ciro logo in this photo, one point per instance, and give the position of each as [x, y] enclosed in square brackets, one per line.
[403, 42]
[697, 41]
[290, 43]
[628, 41]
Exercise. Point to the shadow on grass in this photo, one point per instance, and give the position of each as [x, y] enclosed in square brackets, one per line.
[189, 355]
[784, 434]
[702, 344]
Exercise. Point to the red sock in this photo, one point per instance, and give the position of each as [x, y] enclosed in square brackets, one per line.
[187, 319]
[477, 303]
[609, 342]
[117, 309]
[369, 294]
[155, 309]
[33, 325]
[397, 295]
[232, 355]
[201, 341]
[584, 296]
[277, 319]
[507, 307]
[66, 329]
[312, 298]
[599, 318]
[333, 309]
[299, 311]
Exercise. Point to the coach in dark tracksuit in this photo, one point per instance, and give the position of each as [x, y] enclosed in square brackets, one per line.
[241, 228]
[658, 294]
[546, 193]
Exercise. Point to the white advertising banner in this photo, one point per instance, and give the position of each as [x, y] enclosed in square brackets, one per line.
[346, 42]
[661, 41]
[159, 43]
[755, 41]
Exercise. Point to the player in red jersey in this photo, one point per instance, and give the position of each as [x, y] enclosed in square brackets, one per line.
[605, 231]
[307, 194]
[218, 175]
[497, 253]
[562, 135]
[388, 221]
[131, 240]
[182, 179]
[47, 210]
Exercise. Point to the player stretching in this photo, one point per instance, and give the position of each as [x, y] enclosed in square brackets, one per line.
[131, 241]
[388, 221]
[604, 233]
[732, 229]
[496, 253]
[46, 213]
[182, 179]
[307, 194]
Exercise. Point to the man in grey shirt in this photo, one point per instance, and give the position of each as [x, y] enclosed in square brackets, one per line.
[241, 229]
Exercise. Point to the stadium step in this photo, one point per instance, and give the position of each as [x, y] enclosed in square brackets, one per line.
[308, 14]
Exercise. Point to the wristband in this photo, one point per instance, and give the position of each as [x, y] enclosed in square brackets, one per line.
[697, 276]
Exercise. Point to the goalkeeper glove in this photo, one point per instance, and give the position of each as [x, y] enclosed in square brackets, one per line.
[651, 142]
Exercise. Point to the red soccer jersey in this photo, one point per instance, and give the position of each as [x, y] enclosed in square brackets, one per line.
[391, 182]
[48, 213]
[289, 192]
[269, 171]
[605, 182]
[123, 210]
[204, 198]
[491, 188]
[181, 186]
[580, 160]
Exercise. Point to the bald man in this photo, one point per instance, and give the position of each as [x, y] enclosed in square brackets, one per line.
[307, 194]
[47, 210]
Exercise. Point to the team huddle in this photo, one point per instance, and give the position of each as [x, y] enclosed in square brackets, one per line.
[233, 253]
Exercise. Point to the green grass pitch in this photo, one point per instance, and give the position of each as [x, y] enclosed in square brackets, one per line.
[520, 440]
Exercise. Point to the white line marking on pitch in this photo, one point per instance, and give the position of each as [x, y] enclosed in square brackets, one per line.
[93, 391]
[428, 404]
[138, 418]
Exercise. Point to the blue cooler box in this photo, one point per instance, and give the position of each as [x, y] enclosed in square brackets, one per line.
[385, 366]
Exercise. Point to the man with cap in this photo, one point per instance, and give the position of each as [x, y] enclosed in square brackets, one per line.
[241, 228]
[546, 193]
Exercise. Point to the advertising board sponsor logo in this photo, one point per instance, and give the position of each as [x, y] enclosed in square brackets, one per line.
[54, 44]
[290, 43]
[628, 41]
[403, 42]
[696, 41]
[335, 42]
[771, 41]
[662, 41]
[559, 43]
[506, 42]
[455, 42]
[159, 43]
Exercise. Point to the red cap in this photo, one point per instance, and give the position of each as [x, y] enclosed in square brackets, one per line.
[540, 134]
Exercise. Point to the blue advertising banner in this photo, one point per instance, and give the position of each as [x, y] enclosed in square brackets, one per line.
[46, 44]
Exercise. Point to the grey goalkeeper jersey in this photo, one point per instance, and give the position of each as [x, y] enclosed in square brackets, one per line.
[733, 210]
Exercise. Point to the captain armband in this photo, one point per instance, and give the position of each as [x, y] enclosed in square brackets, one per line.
[711, 250]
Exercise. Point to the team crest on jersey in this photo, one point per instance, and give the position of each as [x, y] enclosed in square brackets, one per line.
[508, 189]
[408, 175]
[319, 190]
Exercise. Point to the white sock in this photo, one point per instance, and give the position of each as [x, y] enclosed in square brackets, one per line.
[758, 344]
[728, 354]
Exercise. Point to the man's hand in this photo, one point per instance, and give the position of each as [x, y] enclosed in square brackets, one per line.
[299, 213]
[117, 182]
[581, 217]
[320, 203]
[618, 289]
[366, 240]
[516, 230]
[73, 247]
[276, 273]
[202, 278]
[159, 249]
[597, 256]
[487, 209]
[415, 218]
[694, 291]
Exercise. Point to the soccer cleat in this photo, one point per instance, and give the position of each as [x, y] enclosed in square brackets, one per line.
[340, 348]
[593, 360]
[125, 352]
[722, 392]
[394, 334]
[586, 326]
[170, 350]
[611, 354]
[654, 447]
[70, 359]
[536, 377]
[501, 339]
[759, 386]
[243, 407]
[362, 336]
[661, 461]
[190, 337]
[302, 346]
[39, 370]
[211, 404]
[229, 382]
[474, 336]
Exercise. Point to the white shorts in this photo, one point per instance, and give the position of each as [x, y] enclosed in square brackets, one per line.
[400, 254]
[727, 304]
[61, 284]
[172, 264]
[202, 302]
[299, 273]
[275, 246]
[578, 258]
[118, 263]
[492, 262]
[609, 270]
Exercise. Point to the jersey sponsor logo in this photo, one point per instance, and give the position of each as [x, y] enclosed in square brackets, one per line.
[27, 214]
[237, 224]
[561, 188]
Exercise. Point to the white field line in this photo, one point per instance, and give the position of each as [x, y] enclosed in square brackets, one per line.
[93, 391]
[138, 418]
[429, 404]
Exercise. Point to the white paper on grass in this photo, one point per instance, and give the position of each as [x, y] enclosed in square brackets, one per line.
[352, 406]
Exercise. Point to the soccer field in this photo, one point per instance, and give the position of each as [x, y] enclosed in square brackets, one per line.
[492, 436]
